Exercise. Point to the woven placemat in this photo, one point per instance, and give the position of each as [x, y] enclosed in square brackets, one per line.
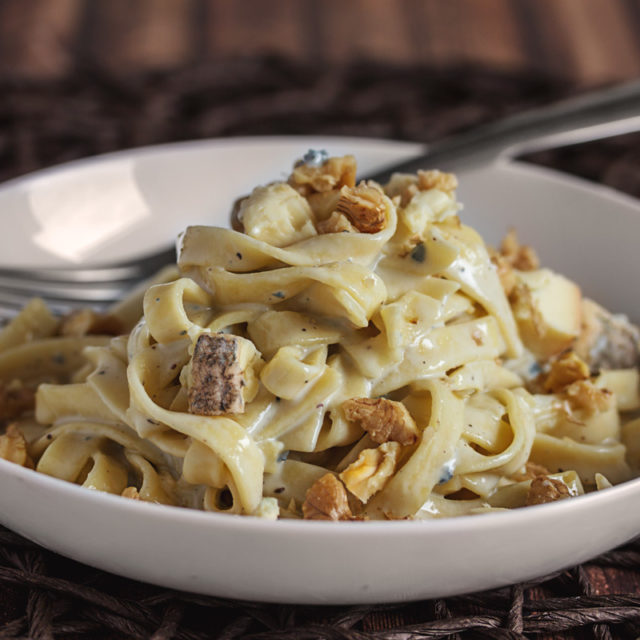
[45, 596]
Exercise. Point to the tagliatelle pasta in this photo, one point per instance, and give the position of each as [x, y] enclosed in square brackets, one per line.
[346, 352]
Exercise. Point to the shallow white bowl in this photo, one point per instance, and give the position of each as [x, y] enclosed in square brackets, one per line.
[587, 232]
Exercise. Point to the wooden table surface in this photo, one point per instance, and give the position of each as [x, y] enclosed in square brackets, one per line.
[589, 42]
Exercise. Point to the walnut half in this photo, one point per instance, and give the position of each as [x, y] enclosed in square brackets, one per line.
[383, 419]
[364, 207]
[545, 489]
[371, 471]
[326, 499]
[13, 447]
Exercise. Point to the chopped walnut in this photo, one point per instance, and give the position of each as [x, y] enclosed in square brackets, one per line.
[326, 499]
[407, 193]
[383, 419]
[583, 394]
[13, 447]
[369, 473]
[217, 379]
[565, 370]
[522, 297]
[336, 223]
[333, 174]
[544, 489]
[83, 322]
[507, 277]
[435, 179]
[521, 257]
[531, 470]
[131, 492]
[364, 207]
[15, 399]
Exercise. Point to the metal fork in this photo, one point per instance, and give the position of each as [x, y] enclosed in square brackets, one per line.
[68, 288]
[593, 116]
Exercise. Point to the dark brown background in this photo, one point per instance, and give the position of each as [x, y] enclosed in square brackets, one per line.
[79, 77]
[589, 42]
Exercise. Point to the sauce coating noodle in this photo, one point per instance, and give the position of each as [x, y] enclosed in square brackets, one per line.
[347, 352]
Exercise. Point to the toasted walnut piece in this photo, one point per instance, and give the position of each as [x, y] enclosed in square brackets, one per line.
[369, 473]
[84, 322]
[507, 277]
[326, 499]
[583, 394]
[333, 174]
[607, 341]
[336, 223]
[565, 370]
[131, 492]
[364, 207]
[521, 257]
[13, 447]
[434, 179]
[407, 193]
[531, 470]
[544, 489]
[383, 419]
[217, 379]
[15, 399]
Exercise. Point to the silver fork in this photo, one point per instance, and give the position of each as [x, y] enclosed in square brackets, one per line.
[593, 116]
[68, 288]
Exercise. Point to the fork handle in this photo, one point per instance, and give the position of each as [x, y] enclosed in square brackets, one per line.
[591, 116]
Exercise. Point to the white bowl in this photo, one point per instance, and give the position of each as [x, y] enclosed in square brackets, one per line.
[588, 232]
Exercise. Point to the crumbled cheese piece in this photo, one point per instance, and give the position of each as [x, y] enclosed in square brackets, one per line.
[383, 419]
[607, 341]
[276, 214]
[131, 492]
[326, 499]
[547, 309]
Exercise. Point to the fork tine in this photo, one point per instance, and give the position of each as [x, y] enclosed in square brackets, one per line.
[130, 270]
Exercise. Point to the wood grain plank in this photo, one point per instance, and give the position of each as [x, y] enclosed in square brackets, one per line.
[604, 46]
[253, 27]
[589, 43]
[462, 31]
[491, 35]
[366, 30]
[37, 38]
[140, 36]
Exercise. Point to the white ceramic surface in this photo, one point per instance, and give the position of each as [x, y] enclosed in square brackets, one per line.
[587, 232]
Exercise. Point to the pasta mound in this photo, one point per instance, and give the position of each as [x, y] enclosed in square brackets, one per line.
[349, 351]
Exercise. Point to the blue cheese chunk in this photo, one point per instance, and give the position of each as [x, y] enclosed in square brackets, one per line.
[218, 374]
